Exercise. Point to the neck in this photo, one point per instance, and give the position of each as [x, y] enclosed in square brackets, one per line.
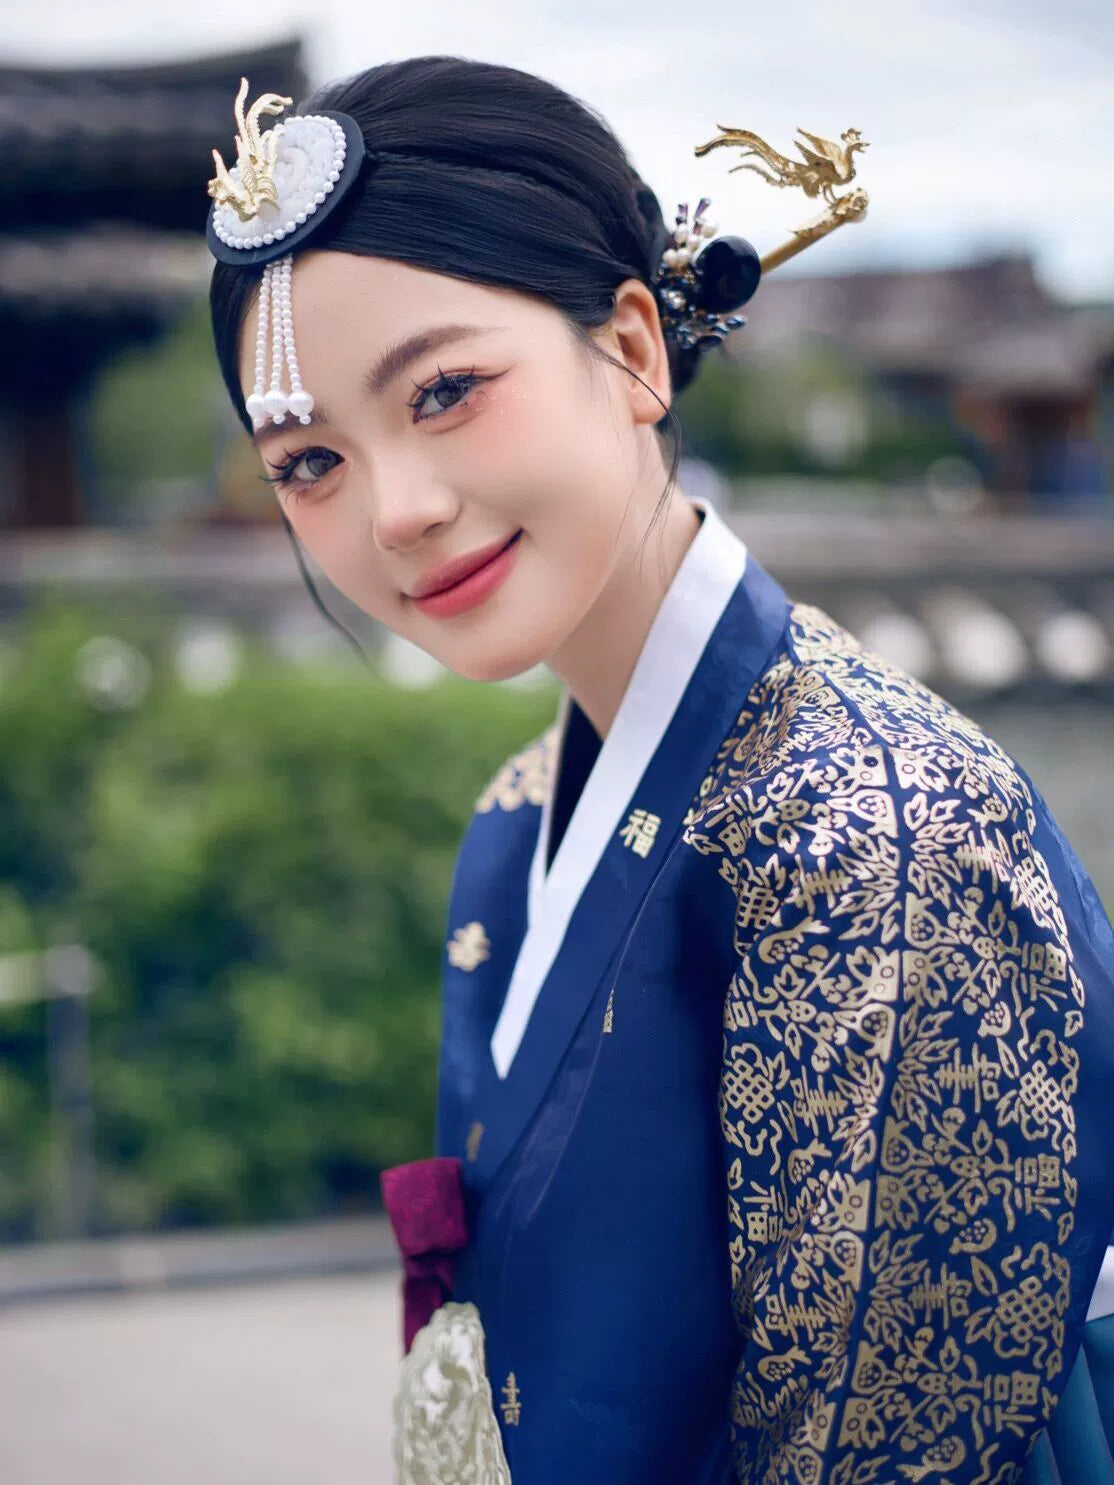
[596, 661]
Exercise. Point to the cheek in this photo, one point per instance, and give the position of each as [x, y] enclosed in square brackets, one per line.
[346, 557]
[499, 446]
[528, 433]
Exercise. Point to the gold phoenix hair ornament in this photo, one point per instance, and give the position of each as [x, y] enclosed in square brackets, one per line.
[283, 184]
[823, 166]
[255, 158]
[696, 279]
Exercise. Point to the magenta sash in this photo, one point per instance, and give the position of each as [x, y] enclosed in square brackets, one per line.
[425, 1203]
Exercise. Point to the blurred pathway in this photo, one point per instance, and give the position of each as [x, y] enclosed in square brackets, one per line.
[262, 1384]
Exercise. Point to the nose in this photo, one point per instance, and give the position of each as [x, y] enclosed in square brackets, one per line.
[405, 508]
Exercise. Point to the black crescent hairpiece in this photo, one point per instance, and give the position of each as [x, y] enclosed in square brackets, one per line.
[289, 180]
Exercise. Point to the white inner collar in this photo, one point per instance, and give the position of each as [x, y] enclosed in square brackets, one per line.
[689, 612]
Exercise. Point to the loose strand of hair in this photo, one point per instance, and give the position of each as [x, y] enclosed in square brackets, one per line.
[319, 604]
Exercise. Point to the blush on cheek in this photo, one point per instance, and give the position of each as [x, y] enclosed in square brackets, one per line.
[509, 438]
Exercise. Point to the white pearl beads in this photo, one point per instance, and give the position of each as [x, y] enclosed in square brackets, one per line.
[276, 329]
[300, 403]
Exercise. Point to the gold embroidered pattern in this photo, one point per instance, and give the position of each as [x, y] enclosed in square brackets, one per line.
[511, 1406]
[897, 1079]
[469, 947]
[640, 832]
[524, 778]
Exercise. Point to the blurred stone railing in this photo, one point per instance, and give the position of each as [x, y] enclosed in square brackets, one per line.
[975, 605]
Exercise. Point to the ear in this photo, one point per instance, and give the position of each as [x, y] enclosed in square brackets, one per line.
[634, 336]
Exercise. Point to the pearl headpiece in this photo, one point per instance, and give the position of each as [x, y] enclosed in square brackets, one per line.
[283, 185]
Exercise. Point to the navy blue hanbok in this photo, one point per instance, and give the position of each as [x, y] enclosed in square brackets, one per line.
[778, 1051]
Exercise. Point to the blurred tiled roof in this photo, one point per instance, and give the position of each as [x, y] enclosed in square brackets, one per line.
[104, 267]
[990, 324]
[125, 143]
[103, 200]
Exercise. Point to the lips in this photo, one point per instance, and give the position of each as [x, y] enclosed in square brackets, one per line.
[451, 573]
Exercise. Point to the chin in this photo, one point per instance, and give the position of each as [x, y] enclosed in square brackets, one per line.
[501, 665]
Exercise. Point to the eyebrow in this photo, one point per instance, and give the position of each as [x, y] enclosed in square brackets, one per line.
[391, 364]
[270, 429]
[396, 358]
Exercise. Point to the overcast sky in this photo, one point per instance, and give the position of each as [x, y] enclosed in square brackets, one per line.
[990, 121]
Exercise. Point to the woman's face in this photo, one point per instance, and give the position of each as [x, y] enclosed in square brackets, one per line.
[503, 434]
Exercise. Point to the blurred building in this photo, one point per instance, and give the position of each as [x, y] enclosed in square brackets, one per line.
[101, 241]
[1027, 380]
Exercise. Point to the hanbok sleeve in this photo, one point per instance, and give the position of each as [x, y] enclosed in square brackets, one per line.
[897, 1105]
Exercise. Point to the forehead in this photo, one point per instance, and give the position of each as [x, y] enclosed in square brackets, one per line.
[371, 302]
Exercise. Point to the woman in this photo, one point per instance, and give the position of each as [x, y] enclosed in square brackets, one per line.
[778, 1013]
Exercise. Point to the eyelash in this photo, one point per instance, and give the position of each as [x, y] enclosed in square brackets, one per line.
[453, 380]
[281, 476]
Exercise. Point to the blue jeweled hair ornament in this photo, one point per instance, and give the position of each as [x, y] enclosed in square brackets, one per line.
[699, 276]
[287, 180]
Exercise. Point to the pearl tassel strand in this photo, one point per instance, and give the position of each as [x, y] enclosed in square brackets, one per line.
[276, 324]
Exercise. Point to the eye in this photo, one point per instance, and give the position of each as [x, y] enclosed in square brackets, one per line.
[302, 470]
[448, 391]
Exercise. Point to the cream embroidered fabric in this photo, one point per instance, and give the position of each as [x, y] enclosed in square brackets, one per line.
[444, 1418]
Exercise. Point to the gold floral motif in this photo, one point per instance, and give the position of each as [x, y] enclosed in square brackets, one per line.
[897, 1078]
[524, 778]
[469, 947]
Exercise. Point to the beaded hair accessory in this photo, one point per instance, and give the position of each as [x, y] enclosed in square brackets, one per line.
[698, 277]
[282, 187]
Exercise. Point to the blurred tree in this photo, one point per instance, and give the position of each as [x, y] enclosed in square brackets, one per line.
[262, 876]
[166, 443]
[156, 413]
[814, 412]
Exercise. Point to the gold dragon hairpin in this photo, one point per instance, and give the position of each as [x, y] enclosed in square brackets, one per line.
[823, 166]
[255, 158]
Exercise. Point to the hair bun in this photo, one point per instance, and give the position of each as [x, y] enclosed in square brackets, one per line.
[727, 273]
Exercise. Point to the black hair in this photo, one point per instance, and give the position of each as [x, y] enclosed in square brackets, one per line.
[486, 173]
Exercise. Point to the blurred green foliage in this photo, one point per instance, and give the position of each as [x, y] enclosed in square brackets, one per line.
[751, 418]
[157, 411]
[262, 876]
